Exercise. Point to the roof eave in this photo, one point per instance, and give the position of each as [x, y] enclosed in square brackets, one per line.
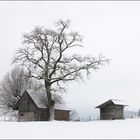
[63, 110]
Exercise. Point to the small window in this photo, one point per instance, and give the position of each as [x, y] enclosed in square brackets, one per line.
[21, 114]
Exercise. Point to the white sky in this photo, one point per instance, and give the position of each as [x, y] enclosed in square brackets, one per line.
[110, 28]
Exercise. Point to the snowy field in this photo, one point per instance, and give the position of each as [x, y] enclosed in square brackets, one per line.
[129, 129]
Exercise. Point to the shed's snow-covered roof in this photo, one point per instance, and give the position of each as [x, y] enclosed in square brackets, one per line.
[61, 106]
[118, 102]
[39, 97]
[114, 101]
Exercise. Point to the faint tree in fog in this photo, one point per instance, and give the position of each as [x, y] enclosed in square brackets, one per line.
[12, 86]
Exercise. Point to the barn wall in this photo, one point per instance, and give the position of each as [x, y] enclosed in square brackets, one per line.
[119, 112]
[111, 111]
[26, 116]
[61, 115]
[39, 115]
[42, 115]
[107, 113]
[29, 112]
[27, 105]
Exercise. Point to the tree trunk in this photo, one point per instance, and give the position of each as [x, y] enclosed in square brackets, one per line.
[50, 102]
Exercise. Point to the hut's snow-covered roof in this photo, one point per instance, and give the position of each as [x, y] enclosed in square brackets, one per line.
[40, 99]
[118, 102]
[61, 106]
[114, 101]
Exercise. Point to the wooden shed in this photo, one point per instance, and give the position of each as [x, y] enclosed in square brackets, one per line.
[111, 109]
[32, 106]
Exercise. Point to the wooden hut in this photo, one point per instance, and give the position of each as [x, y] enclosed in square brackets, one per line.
[32, 106]
[111, 109]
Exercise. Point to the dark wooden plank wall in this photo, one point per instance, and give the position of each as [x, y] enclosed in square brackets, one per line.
[61, 115]
[27, 105]
[42, 115]
[119, 111]
[111, 111]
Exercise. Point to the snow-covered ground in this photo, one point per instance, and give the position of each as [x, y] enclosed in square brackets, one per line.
[129, 128]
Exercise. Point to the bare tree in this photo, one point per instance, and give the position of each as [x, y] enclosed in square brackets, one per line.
[44, 54]
[12, 86]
